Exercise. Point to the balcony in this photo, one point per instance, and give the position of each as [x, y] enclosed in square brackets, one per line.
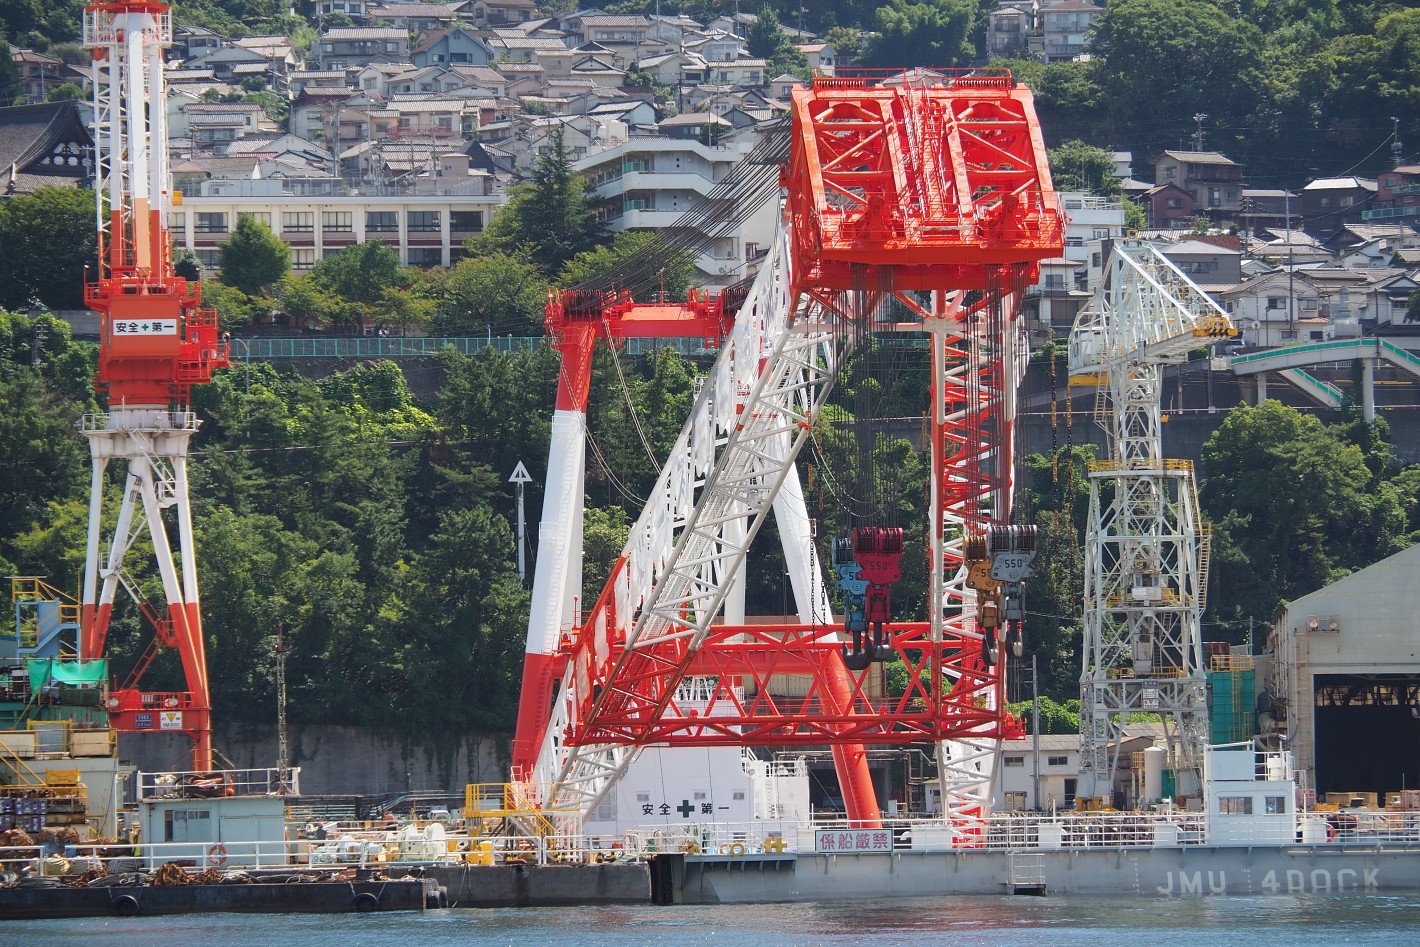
[1391, 213]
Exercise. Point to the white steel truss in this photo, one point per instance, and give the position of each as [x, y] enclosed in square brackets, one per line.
[735, 452]
[1146, 548]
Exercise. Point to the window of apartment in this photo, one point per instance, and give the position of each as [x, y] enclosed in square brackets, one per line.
[423, 221]
[466, 221]
[1276, 302]
[1095, 259]
[208, 258]
[1100, 233]
[1015, 761]
[1316, 335]
[211, 223]
[260, 216]
[177, 221]
[303, 258]
[1175, 203]
[1235, 805]
[425, 256]
[1057, 760]
[382, 221]
[337, 221]
[303, 221]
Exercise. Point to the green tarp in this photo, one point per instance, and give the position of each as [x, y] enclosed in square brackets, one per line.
[66, 672]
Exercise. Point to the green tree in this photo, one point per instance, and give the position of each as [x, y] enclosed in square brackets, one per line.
[360, 273]
[9, 74]
[548, 219]
[1293, 507]
[253, 257]
[928, 33]
[847, 42]
[65, 92]
[491, 292]
[1164, 61]
[1076, 166]
[1412, 307]
[765, 35]
[676, 269]
[49, 238]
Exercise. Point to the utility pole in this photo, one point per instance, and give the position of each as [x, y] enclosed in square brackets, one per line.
[1035, 734]
[520, 477]
[283, 768]
[1198, 119]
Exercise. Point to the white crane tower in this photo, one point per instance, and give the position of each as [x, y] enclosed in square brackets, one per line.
[1146, 549]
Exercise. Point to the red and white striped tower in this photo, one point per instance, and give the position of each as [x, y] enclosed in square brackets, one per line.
[156, 343]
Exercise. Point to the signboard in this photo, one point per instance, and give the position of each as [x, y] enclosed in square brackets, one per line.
[170, 720]
[1149, 695]
[145, 327]
[852, 841]
[143, 721]
[1012, 566]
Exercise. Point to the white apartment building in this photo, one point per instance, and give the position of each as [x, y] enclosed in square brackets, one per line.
[647, 183]
[427, 222]
[1066, 282]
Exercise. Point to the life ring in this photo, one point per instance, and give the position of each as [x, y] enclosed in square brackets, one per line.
[217, 855]
[737, 849]
[365, 902]
[1330, 831]
[125, 905]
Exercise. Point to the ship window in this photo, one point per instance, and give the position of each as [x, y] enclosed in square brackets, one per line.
[1235, 805]
[187, 825]
[1276, 805]
[1015, 761]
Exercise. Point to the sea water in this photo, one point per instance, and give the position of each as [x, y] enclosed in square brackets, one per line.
[1374, 920]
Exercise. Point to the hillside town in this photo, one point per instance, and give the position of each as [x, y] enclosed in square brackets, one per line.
[407, 123]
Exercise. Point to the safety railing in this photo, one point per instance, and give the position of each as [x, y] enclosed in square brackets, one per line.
[264, 349]
[218, 783]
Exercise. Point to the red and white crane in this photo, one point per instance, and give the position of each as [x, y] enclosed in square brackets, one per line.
[926, 190]
[156, 343]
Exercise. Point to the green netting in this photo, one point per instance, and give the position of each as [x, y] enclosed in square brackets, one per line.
[66, 672]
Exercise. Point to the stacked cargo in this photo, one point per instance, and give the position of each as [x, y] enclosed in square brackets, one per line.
[7, 813]
[30, 814]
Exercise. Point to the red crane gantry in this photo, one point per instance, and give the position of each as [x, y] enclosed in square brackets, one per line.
[156, 342]
[928, 188]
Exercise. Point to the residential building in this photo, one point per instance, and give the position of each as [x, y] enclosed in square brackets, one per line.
[39, 74]
[648, 183]
[1008, 28]
[1397, 196]
[520, 48]
[1055, 772]
[1277, 309]
[455, 46]
[1267, 208]
[210, 125]
[821, 56]
[501, 13]
[189, 42]
[1067, 26]
[1214, 181]
[1211, 267]
[355, 9]
[1055, 300]
[1327, 203]
[352, 47]
[426, 221]
[1168, 207]
[417, 17]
